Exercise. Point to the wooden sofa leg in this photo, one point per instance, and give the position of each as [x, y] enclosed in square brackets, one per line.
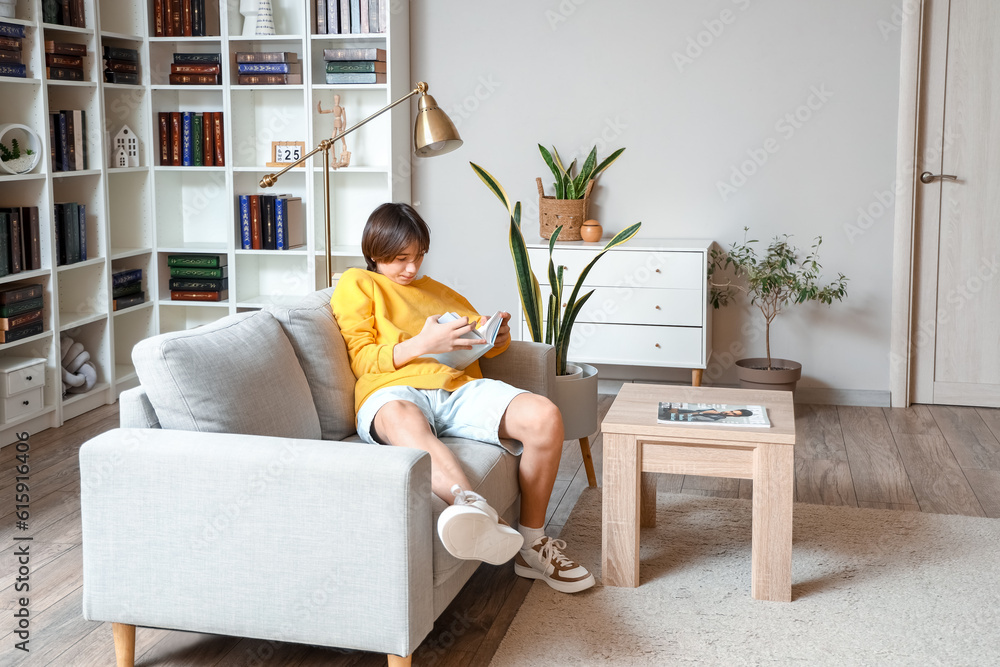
[588, 461]
[124, 644]
[397, 661]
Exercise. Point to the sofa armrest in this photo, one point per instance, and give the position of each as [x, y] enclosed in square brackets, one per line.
[317, 542]
[135, 410]
[524, 364]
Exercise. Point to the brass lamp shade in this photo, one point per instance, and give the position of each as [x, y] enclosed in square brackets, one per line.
[433, 132]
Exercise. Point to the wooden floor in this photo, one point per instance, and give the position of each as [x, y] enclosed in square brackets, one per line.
[926, 459]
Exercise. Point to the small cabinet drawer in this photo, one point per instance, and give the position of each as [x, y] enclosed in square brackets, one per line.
[22, 379]
[25, 403]
[625, 305]
[630, 268]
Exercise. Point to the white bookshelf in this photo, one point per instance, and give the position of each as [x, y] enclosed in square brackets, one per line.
[137, 216]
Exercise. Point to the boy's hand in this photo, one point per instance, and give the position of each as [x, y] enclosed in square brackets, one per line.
[436, 337]
[503, 334]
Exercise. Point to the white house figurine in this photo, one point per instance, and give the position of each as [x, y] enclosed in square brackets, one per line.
[126, 148]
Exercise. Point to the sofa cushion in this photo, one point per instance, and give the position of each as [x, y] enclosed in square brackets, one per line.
[236, 375]
[322, 353]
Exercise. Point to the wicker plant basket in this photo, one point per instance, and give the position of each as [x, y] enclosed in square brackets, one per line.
[570, 213]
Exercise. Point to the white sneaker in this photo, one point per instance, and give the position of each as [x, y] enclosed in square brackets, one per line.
[472, 530]
[545, 560]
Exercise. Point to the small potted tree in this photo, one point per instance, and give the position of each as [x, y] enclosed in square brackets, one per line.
[772, 280]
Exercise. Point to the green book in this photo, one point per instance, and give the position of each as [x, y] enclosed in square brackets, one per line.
[200, 261]
[21, 307]
[125, 290]
[197, 144]
[192, 272]
[355, 66]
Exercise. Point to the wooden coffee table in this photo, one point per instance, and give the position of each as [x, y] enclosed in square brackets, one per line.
[636, 447]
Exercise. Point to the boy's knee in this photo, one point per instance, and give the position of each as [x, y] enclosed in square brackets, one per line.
[543, 417]
[396, 413]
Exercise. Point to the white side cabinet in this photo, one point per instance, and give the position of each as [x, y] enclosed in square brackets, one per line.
[650, 304]
[22, 383]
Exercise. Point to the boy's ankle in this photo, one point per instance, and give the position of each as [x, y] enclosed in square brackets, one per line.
[530, 535]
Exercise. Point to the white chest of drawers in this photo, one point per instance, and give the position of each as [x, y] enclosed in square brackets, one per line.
[22, 386]
[650, 304]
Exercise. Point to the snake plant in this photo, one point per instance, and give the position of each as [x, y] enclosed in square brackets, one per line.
[558, 323]
[568, 186]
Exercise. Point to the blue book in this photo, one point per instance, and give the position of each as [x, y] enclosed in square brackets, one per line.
[83, 232]
[280, 222]
[14, 69]
[270, 68]
[245, 221]
[11, 30]
[126, 277]
[356, 17]
[187, 157]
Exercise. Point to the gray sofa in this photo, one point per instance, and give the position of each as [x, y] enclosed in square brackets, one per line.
[236, 498]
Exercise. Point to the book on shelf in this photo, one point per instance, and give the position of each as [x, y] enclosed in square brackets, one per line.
[288, 222]
[10, 44]
[125, 277]
[11, 30]
[196, 68]
[355, 77]
[7, 323]
[253, 57]
[68, 132]
[195, 272]
[267, 222]
[127, 289]
[16, 252]
[199, 284]
[120, 77]
[31, 244]
[268, 79]
[269, 68]
[197, 58]
[188, 295]
[71, 232]
[127, 66]
[194, 79]
[20, 307]
[65, 12]
[10, 57]
[219, 139]
[65, 48]
[362, 53]
[58, 60]
[21, 293]
[459, 359]
[14, 69]
[712, 414]
[271, 222]
[124, 302]
[343, 66]
[184, 18]
[63, 74]
[23, 331]
[190, 138]
[121, 53]
[197, 260]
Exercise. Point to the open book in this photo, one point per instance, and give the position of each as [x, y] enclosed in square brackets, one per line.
[459, 359]
[713, 414]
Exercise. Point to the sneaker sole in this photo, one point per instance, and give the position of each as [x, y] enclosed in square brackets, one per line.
[470, 534]
[561, 586]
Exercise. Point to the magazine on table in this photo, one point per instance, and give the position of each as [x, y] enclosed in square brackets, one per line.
[713, 414]
[459, 359]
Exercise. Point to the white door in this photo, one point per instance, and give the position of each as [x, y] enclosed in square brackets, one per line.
[956, 328]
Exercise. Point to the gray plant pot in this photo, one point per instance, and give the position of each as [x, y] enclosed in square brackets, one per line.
[753, 373]
[576, 398]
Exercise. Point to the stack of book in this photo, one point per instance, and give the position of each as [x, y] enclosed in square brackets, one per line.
[71, 232]
[64, 12]
[196, 69]
[11, 35]
[351, 16]
[126, 289]
[203, 278]
[271, 222]
[185, 18]
[20, 245]
[355, 65]
[64, 60]
[121, 65]
[68, 140]
[268, 68]
[20, 312]
[192, 139]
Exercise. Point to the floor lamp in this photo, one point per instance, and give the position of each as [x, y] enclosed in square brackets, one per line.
[433, 134]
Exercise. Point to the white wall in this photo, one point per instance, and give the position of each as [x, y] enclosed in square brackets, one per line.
[694, 89]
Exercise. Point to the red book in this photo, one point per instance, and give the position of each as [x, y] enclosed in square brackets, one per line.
[177, 295]
[165, 159]
[158, 18]
[255, 229]
[220, 148]
[196, 69]
[176, 20]
[208, 158]
[186, 23]
[175, 138]
[193, 79]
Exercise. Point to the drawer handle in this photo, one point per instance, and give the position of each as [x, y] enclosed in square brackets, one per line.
[25, 403]
[657, 346]
[28, 378]
[657, 270]
[657, 307]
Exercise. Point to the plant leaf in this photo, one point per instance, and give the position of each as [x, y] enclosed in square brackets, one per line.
[586, 171]
[549, 161]
[493, 185]
[563, 337]
[527, 284]
[607, 162]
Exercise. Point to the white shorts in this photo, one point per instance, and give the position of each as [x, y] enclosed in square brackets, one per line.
[472, 411]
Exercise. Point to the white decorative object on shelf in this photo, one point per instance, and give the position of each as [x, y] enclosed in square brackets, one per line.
[248, 9]
[265, 18]
[7, 9]
[125, 142]
[27, 146]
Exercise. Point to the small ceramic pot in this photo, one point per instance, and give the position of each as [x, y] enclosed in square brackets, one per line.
[591, 231]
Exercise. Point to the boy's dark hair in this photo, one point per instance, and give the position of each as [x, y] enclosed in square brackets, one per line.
[390, 229]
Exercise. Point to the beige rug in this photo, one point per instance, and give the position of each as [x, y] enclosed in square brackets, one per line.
[870, 587]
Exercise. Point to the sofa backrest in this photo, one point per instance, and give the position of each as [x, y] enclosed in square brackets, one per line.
[322, 354]
[237, 375]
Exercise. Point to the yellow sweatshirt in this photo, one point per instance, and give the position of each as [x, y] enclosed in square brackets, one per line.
[375, 314]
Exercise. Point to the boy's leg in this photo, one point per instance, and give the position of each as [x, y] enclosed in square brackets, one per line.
[403, 424]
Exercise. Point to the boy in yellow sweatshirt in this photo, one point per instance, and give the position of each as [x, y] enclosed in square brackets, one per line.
[388, 315]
